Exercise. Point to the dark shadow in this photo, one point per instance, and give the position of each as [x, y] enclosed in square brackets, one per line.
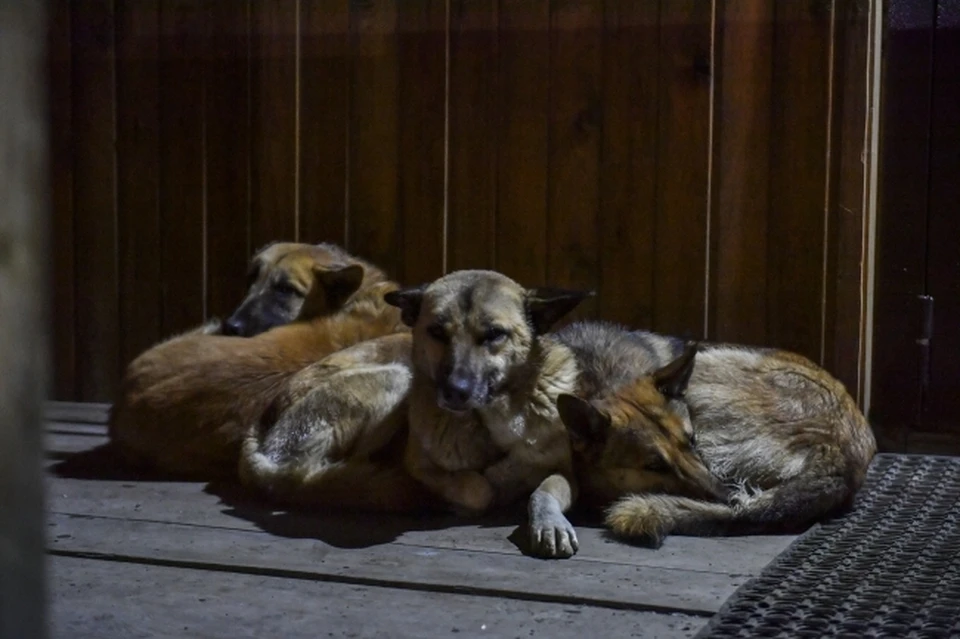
[348, 529]
[106, 464]
[338, 528]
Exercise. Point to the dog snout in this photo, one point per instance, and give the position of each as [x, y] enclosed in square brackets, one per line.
[456, 392]
[234, 326]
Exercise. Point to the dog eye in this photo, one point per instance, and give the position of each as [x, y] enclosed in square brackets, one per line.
[436, 332]
[286, 288]
[494, 336]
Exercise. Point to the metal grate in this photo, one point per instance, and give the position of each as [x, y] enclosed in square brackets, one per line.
[888, 568]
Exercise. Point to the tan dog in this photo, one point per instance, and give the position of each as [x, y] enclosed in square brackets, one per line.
[484, 428]
[727, 440]
[335, 435]
[184, 404]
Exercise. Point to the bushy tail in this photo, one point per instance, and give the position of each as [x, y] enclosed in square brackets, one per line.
[353, 484]
[789, 507]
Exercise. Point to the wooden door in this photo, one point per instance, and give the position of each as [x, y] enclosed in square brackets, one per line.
[916, 372]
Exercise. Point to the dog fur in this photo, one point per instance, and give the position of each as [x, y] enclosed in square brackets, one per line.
[185, 404]
[334, 436]
[484, 428]
[782, 436]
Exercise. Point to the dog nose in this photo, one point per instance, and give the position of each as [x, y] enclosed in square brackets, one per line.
[456, 391]
[233, 326]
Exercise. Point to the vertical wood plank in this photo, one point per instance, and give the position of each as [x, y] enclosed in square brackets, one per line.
[628, 174]
[471, 238]
[422, 111]
[741, 170]
[227, 144]
[59, 104]
[901, 222]
[943, 257]
[574, 160]
[24, 279]
[846, 222]
[683, 159]
[801, 84]
[524, 108]
[273, 187]
[93, 198]
[181, 164]
[138, 175]
[324, 92]
[373, 224]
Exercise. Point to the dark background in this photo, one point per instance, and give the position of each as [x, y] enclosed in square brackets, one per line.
[699, 163]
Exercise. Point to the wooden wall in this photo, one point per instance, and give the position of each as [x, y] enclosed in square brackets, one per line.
[699, 163]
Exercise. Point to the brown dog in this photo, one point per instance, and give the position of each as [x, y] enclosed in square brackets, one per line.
[484, 428]
[334, 437]
[184, 404]
[722, 440]
[477, 394]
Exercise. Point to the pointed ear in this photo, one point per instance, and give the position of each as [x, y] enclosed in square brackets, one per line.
[340, 284]
[672, 379]
[582, 419]
[408, 300]
[547, 305]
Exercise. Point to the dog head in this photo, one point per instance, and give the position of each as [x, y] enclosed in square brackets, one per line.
[639, 438]
[289, 282]
[475, 333]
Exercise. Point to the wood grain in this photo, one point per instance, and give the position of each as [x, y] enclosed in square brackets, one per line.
[60, 106]
[574, 582]
[181, 165]
[846, 222]
[138, 176]
[187, 503]
[523, 142]
[421, 53]
[220, 604]
[576, 30]
[94, 205]
[324, 116]
[273, 99]
[683, 152]
[628, 173]
[798, 179]
[901, 225]
[227, 154]
[942, 409]
[741, 172]
[374, 224]
[474, 135]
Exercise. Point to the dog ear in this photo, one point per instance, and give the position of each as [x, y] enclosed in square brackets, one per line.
[584, 421]
[547, 305]
[408, 300]
[672, 379]
[339, 284]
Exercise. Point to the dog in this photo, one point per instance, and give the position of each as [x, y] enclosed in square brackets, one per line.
[483, 424]
[185, 404]
[709, 439]
[334, 436]
[461, 414]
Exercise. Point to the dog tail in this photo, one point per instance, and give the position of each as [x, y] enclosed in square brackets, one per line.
[354, 484]
[790, 507]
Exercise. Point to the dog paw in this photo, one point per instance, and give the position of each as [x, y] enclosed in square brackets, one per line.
[552, 536]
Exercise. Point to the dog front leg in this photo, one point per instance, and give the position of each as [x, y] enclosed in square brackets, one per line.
[552, 536]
